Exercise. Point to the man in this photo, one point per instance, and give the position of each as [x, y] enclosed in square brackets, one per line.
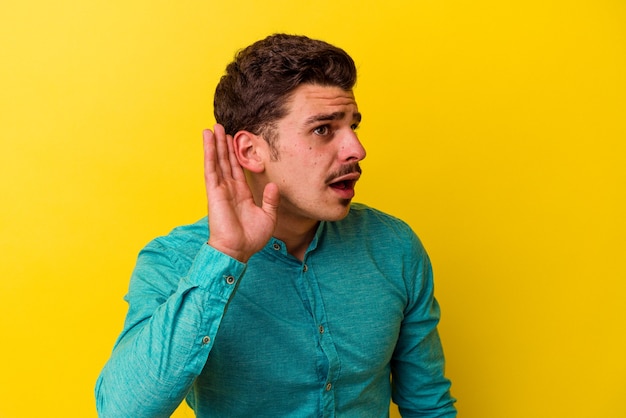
[297, 303]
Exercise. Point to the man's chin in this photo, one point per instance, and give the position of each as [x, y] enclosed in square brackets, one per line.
[340, 214]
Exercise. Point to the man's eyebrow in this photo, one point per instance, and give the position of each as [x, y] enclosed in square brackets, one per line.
[325, 117]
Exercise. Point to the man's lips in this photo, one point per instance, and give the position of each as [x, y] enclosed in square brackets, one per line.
[342, 181]
[348, 174]
[344, 185]
[345, 182]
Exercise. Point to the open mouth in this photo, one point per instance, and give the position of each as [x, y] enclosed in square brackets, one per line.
[343, 185]
[343, 182]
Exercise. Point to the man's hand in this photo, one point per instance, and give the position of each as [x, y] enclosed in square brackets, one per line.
[239, 228]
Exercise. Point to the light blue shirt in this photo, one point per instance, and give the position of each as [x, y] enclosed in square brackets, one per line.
[280, 337]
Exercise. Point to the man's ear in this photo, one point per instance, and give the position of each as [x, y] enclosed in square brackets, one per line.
[249, 151]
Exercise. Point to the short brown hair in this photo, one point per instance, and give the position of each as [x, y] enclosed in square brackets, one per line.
[252, 94]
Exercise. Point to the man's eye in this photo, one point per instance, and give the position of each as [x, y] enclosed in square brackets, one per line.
[322, 130]
[354, 126]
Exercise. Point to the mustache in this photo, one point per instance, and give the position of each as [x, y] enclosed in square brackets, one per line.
[344, 170]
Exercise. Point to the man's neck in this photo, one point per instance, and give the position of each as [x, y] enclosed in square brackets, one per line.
[295, 231]
[297, 236]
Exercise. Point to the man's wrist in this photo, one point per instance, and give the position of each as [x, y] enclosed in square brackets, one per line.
[237, 255]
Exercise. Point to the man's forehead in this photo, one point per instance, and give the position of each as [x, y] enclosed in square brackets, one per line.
[331, 101]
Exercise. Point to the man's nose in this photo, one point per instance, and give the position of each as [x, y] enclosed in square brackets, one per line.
[351, 149]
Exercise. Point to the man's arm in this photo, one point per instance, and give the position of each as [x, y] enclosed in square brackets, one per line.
[170, 328]
[420, 388]
[174, 315]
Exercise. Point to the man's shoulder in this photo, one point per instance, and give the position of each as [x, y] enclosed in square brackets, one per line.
[169, 257]
[367, 223]
[362, 215]
[367, 227]
[185, 238]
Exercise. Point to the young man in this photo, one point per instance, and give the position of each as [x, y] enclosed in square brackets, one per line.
[289, 301]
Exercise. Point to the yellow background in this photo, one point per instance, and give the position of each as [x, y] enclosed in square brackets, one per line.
[495, 128]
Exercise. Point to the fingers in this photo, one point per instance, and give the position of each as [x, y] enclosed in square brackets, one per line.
[235, 168]
[223, 154]
[219, 155]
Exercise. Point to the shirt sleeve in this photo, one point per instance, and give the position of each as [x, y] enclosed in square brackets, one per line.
[419, 386]
[174, 314]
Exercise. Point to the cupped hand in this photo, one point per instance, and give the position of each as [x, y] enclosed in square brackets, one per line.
[238, 227]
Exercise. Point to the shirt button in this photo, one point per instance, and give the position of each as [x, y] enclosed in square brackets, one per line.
[206, 339]
[230, 279]
[328, 387]
[305, 268]
[276, 246]
[321, 329]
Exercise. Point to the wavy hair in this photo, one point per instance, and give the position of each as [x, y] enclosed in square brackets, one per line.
[253, 93]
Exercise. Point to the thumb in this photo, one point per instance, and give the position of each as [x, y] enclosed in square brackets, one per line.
[271, 198]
